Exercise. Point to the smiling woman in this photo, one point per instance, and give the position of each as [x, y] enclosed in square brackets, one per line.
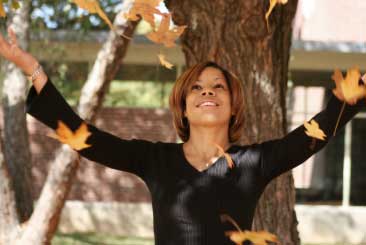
[191, 184]
[193, 83]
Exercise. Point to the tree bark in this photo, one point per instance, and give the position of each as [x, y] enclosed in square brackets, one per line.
[234, 34]
[15, 134]
[45, 218]
[8, 213]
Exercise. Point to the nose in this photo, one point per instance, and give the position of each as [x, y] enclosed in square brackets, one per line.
[208, 91]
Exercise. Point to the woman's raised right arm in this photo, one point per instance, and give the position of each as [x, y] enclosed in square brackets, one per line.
[46, 104]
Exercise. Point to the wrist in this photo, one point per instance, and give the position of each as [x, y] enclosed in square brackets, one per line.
[37, 71]
[28, 64]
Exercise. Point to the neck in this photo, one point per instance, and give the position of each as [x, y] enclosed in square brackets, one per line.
[202, 140]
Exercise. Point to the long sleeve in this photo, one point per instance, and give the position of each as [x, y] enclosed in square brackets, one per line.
[133, 156]
[281, 155]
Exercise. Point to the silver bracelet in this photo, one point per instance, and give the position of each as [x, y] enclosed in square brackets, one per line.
[35, 73]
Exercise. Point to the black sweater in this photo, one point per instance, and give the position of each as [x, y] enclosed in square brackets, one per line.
[187, 203]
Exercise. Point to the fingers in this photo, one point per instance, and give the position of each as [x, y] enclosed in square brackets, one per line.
[12, 37]
[364, 78]
[4, 46]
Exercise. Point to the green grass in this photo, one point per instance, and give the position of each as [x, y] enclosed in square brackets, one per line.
[98, 239]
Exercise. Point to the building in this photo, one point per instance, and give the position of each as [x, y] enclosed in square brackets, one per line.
[325, 37]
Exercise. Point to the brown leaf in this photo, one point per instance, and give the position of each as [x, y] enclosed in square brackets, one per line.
[146, 9]
[76, 140]
[348, 88]
[272, 4]
[164, 35]
[93, 7]
[313, 130]
[229, 161]
[164, 62]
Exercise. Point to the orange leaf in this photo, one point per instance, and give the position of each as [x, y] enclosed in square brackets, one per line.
[2, 10]
[76, 140]
[146, 9]
[239, 236]
[164, 62]
[348, 88]
[256, 238]
[164, 35]
[313, 130]
[272, 4]
[229, 161]
[93, 7]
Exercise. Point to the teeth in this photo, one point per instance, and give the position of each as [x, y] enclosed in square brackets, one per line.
[208, 104]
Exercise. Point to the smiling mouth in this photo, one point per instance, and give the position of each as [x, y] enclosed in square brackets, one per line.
[207, 104]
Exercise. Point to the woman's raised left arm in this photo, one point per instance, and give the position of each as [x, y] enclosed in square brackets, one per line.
[281, 155]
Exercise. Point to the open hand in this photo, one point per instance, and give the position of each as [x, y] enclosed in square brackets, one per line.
[10, 50]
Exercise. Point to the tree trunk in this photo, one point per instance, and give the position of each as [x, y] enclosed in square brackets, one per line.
[234, 34]
[44, 221]
[16, 203]
[8, 213]
[15, 134]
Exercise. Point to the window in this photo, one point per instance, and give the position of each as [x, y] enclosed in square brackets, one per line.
[324, 178]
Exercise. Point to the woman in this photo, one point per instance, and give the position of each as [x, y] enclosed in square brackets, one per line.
[190, 185]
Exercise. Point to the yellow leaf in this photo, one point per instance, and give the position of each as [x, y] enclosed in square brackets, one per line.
[313, 130]
[348, 87]
[146, 9]
[229, 161]
[239, 236]
[272, 4]
[76, 140]
[93, 7]
[256, 238]
[164, 62]
[2, 10]
[164, 35]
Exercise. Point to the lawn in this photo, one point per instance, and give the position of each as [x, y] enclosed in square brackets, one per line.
[98, 239]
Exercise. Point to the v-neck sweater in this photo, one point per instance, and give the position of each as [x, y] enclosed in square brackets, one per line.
[187, 203]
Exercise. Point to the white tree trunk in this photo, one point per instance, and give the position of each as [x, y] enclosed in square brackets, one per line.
[45, 218]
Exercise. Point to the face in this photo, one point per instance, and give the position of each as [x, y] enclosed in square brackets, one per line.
[208, 101]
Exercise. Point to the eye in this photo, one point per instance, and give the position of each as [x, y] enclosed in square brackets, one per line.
[196, 86]
[219, 85]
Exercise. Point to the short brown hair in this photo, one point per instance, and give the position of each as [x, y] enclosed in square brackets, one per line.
[177, 100]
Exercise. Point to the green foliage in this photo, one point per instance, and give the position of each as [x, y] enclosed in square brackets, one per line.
[66, 15]
[138, 94]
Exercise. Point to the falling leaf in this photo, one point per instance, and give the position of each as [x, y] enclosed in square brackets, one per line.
[255, 237]
[164, 62]
[146, 9]
[313, 130]
[93, 7]
[164, 35]
[14, 5]
[76, 140]
[2, 10]
[229, 161]
[348, 87]
[272, 4]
